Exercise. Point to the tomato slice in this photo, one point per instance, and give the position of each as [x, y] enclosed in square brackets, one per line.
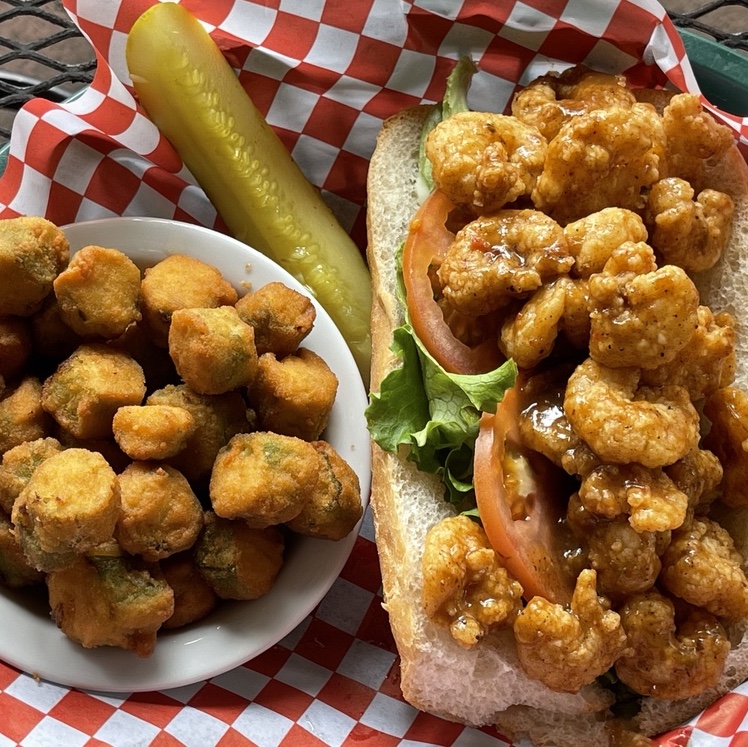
[520, 505]
[428, 241]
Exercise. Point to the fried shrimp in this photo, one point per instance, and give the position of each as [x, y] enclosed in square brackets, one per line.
[688, 230]
[650, 498]
[501, 256]
[668, 662]
[640, 315]
[604, 158]
[485, 161]
[623, 422]
[702, 566]
[567, 649]
[551, 100]
[698, 474]
[463, 583]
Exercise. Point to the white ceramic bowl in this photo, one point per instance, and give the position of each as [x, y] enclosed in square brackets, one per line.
[236, 631]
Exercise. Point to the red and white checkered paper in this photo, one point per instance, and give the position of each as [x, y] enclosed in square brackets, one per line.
[325, 73]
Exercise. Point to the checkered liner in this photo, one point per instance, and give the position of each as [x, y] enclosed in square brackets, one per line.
[326, 75]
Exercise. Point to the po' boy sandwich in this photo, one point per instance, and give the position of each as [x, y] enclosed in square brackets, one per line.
[559, 407]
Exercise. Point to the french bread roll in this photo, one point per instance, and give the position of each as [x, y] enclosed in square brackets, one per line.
[485, 684]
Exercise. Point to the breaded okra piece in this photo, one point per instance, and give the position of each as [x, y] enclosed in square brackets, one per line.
[88, 388]
[180, 282]
[157, 432]
[213, 349]
[264, 478]
[70, 504]
[19, 463]
[294, 396]
[15, 569]
[33, 251]
[237, 561]
[160, 514]
[15, 346]
[194, 597]
[105, 601]
[281, 317]
[99, 292]
[22, 417]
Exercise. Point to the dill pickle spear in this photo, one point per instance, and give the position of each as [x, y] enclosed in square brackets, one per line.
[192, 95]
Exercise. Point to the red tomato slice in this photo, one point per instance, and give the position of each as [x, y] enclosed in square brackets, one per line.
[520, 510]
[428, 240]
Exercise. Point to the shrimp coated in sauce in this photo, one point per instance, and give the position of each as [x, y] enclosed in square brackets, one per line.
[567, 649]
[623, 422]
[666, 661]
[640, 315]
[485, 161]
[501, 256]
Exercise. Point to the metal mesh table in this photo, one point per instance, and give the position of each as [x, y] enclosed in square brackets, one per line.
[42, 53]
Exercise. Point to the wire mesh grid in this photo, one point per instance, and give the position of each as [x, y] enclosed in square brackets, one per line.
[42, 53]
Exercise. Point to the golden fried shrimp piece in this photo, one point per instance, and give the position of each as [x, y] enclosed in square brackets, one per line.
[650, 498]
[640, 315]
[623, 422]
[15, 570]
[152, 431]
[552, 99]
[194, 597]
[239, 562]
[99, 292]
[18, 464]
[688, 231]
[218, 418]
[593, 238]
[502, 256]
[88, 388]
[71, 503]
[334, 509]
[566, 649]
[706, 362]
[727, 410]
[668, 662]
[280, 316]
[213, 349]
[294, 396]
[702, 566]
[264, 478]
[32, 253]
[698, 474]
[103, 601]
[484, 160]
[464, 585]
[160, 514]
[22, 417]
[15, 346]
[693, 137]
[626, 561]
[604, 158]
[180, 282]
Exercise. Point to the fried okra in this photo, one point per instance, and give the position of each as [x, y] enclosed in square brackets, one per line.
[99, 292]
[51, 337]
[264, 478]
[105, 601]
[334, 508]
[15, 570]
[294, 396]
[22, 417]
[70, 504]
[88, 388]
[281, 318]
[19, 463]
[194, 597]
[239, 562]
[218, 418]
[160, 514]
[152, 431]
[180, 282]
[213, 349]
[15, 346]
[32, 253]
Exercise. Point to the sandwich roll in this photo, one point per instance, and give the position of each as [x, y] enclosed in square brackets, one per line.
[570, 566]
